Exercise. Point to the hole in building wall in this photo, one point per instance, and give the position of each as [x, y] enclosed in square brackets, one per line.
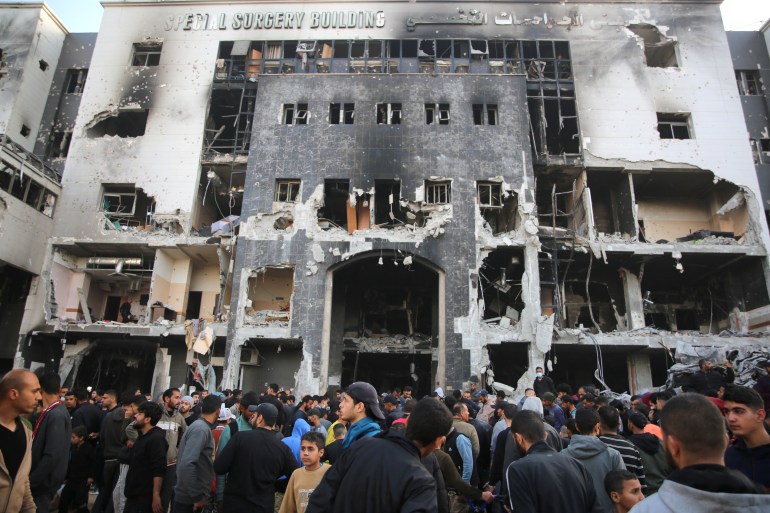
[576, 366]
[500, 286]
[681, 206]
[334, 211]
[25, 130]
[509, 361]
[269, 294]
[220, 197]
[122, 124]
[388, 212]
[611, 199]
[229, 120]
[560, 203]
[43, 65]
[659, 50]
[126, 206]
[553, 125]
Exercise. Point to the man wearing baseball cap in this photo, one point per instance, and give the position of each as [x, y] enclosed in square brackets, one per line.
[360, 408]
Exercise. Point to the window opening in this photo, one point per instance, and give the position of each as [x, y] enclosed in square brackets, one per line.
[59, 145]
[341, 113]
[334, 210]
[674, 126]
[25, 130]
[295, 114]
[438, 192]
[125, 205]
[387, 206]
[388, 113]
[485, 114]
[124, 124]
[749, 82]
[76, 80]
[437, 113]
[43, 65]
[287, 191]
[146, 54]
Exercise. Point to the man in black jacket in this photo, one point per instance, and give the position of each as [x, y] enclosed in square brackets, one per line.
[384, 473]
[271, 397]
[85, 413]
[542, 383]
[51, 444]
[531, 480]
[708, 379]
[147, 462]
[111, 440]
[253, 461]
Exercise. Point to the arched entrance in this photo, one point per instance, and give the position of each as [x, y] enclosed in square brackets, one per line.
[384, 322]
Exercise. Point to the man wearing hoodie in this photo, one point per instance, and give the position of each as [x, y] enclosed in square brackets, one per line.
[656, 466]
[294, 442]
[361, 409]
[745, 415]
[596, 457]
[695, 440]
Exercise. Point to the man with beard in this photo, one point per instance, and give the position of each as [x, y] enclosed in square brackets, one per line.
[531, 480]
[147, 462]
[695, 440]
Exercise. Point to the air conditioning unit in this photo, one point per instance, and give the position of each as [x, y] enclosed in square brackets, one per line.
[250, 357]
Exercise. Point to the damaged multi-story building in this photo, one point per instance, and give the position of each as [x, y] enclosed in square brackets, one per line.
[409, 193]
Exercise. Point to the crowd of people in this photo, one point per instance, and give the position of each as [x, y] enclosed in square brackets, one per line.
[360, 450]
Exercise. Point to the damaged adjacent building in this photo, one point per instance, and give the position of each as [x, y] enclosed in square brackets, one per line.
[402, 192]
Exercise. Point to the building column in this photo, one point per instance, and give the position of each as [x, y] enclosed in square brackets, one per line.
[639, 372]
[632, 292]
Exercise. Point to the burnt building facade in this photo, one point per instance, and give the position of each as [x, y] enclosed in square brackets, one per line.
[404, 192]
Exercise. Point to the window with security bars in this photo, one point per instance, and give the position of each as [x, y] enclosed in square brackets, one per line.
[438, 192]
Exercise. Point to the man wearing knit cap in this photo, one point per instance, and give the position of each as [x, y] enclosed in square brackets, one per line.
[361, 408]
[186, 409]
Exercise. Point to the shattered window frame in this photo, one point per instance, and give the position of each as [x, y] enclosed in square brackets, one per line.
[438, 192]
[342, 113]
[59, 144]
[287, 191]
[389, 113]
[146, 54]
[749, 82]
[674, 125]
[492, 192]
[295, 114]
[437, 113]
[31, 192]
[119, 192]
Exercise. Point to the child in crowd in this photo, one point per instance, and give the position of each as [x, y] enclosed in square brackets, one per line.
[624, 490]
[305, 479]
[80, 473]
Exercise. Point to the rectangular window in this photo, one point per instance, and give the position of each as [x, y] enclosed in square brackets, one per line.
[438, 192]
[764, 150]
[437, 113]
[295, 114]
[749, 83]
[59, 145]
[146, 54]
[484, 114]
[674, 126]
[489, 194]
[118, 200]
[341, 113]
[388, 113]
[287, 191]
[75, 81]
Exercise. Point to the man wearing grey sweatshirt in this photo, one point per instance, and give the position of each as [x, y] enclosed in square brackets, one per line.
[596, 457]
[195, 465]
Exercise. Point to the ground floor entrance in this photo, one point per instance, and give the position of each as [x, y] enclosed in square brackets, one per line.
[386, 371]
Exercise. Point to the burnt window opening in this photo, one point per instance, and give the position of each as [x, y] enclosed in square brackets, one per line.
[124, 124]
[438, 192]
[612, 202]
[43, 65]
[659, 50]
[269, 295]
[553, 126]
[146, 54]
[25, 130]
[341, 113]
[229, 121]
[674, 126]
[286, 191]
[388, 113]
[499, 286]
[75, 81]
[559, 196]
[59, 144]
[749, 82]
[485, 114]
[125, 205]
[437, 113]
[497, 208]
[334, 211]
[687, 206]
[295, 114]
[387, 207]
[22, 187]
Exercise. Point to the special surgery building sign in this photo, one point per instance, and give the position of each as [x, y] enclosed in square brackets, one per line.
[276, 20]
